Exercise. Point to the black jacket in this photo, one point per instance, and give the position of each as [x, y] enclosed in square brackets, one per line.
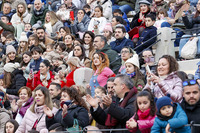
[192, 112]
[80, 113]
[17, 81]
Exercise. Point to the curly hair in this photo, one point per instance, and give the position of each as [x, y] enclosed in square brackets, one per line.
[74, 95]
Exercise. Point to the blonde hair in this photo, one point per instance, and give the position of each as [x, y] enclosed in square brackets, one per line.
[22, 50]
[53, 16]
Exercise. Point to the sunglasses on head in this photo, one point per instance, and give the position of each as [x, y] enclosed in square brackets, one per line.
[190, 82]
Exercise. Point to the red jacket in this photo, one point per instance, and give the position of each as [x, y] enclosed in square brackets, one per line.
[36, 81]
[70, 79]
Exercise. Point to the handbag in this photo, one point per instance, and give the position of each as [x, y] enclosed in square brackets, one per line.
[75, 128]
[189, 50]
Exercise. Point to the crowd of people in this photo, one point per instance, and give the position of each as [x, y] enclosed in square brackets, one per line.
[77, 63]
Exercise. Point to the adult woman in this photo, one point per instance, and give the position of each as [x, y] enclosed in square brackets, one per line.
[75, 109]
[25, 64]
[108, 33]
[43, 77]
[100, 65]
[88, 39]
[33, 41]
[11, 126]
[167, 81]
[63, 31]
[13, 79]
[34, 118]
[20, 107]
[126, 53]
[79, 51]
[20, 18]
[194, 23]
[52, 23]
[80, 24]
[68, 40]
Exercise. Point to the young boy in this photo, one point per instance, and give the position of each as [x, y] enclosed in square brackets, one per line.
[36, 55]
[10, 40]
[87, 9]
[149, 32]
[170, 117]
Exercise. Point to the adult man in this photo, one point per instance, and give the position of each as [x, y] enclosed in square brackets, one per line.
[43, 39]
[110, 86]
[6, 10]
[38, 13]
[100, 44]
[121, 41]
[119, 108]
[55, 90]
[191, 102]
[5, 25]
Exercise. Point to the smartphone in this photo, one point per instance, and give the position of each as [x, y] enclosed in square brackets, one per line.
[148, 69]
[68, 102]
[72, 15]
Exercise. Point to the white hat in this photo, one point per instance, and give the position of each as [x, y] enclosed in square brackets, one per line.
[23, 37]
[10, 67]
[134, 60]
[74, 61]
[10, 49]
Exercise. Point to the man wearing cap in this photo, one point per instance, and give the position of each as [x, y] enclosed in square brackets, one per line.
[191, 102]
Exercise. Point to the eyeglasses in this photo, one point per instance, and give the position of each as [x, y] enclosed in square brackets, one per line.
[190, 82]
[124, 52]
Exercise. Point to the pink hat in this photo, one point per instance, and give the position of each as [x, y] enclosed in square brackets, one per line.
[108, 27]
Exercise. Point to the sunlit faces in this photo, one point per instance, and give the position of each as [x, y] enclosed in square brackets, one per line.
[43, 68]
[20, 8]
[149, 22]
[87, 39]
[97, 60]
[129, 68]
[39, 98]
[64, 97]
[191, 94]
[163, 67]
[143, 103]
[48, 17]
[9, 127]
[27, 27]
[23, 95]
[144, 8]
[166, 110]
[77, 51]
[26, 58]
[12, 56]
[68, 40]
[119, 33]
[97, 12]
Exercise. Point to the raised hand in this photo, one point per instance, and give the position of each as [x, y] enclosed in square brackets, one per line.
[14, 106]
[47, 111]
[107, 100]
[92, 101]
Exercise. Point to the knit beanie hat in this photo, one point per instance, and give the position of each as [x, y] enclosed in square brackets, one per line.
[23, 37]
[10, 49]
[74, 61]
[108, 27]
[38, 24]
[163, 101]
[134, 60]
[10, 67]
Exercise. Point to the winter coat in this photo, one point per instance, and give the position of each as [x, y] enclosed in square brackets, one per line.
[136, 22]
[6, 27]
[115, 62]
[27, 69]
[101, 24]
[119, 44]
[74, 112]
[192, 112]
[127, 22]
[70, 79]
[17, 81]
[139, 84]
[8, 15]
[82, 26]
[30, 118]
[172, 85]
[176, 123]
[5, 115]
[37, 81]
[56, 27]
[192, 24]
[40, 17]
[35, 65]
[148, 33]
[26, 18]
[131, 3]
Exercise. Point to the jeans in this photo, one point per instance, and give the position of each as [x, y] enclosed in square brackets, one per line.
[124, 8]
[183, 41]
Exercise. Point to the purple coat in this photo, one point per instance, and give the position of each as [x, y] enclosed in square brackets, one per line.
[172, 85]
[23, 109]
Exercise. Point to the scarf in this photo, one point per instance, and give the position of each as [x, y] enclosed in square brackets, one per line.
[143, 115]
[110, 121]
[166, 118]
[40, 12]
[132, 75]
[38, 109]
[42, 77]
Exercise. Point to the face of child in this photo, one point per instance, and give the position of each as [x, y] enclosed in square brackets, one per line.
[58, 49]
[143, 103]
[26, 58]
[34, 31]
[86, 9]
[31, 41]
[3, 39]
[161, 16]
[166, 110]
[117, 14]
[97, 12]
[1, 82]
[98, 93]
[129, 68]
[9, 127]
[149, 22]
[27, 27]
[49, 49]
[22, 44]
[36, 55]
[106, 33]
[62, 7]
[8, 41]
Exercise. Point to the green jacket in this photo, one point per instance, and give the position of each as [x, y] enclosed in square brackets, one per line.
[115, 60]
[139, 84]
[41, 17]
[7, 27]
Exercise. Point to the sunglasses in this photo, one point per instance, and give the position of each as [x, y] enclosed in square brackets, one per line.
[191, 82]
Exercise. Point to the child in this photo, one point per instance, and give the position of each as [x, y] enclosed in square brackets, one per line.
[1, 79]
[10, 40]
[23, 44]
[171, 8]
[145, 113]
[132, 69]
[33, 41]
[36, 55]
[87, 9]
[100, 92]
[149, 32]
[170, 117]
[108, 33]
[63, 13]
[162, 17]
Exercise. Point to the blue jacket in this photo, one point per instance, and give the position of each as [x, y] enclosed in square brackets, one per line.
[32, 1]
[127, 22]
[117, 45]
[35, 65]
[176, 123]
[148, 33]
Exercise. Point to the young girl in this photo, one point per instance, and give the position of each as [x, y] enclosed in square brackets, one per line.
[98, 21]
[23, 44]
[108, 33]
[162, 17]
[11, 126]
[132, 69]
[25, 64]
[33, 41]
[144, 115]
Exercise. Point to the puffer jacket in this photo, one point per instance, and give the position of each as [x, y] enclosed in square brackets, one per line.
[30, 118]
[5, 115]
[26, 18]
[193, 23]
[172, 85]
